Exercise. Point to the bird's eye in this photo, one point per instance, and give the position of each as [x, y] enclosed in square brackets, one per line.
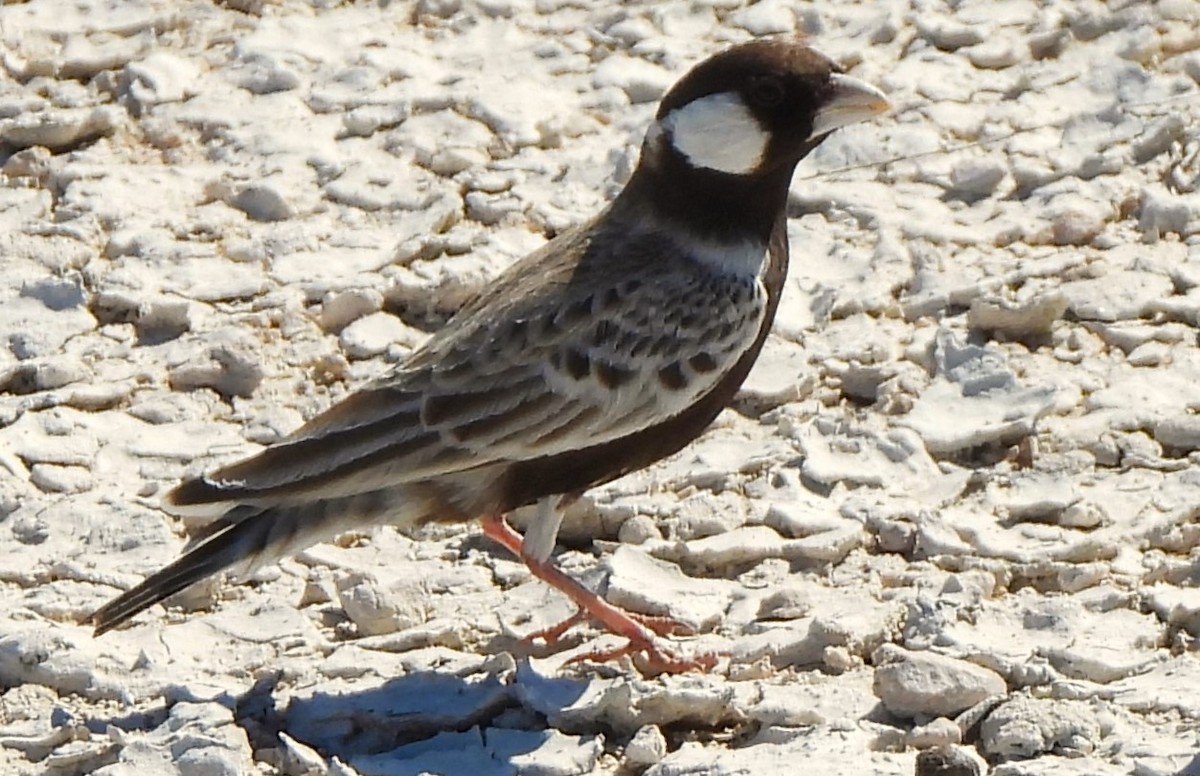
[767, 91]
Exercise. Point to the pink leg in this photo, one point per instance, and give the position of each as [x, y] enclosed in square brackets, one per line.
[663, 626]
[641, 637]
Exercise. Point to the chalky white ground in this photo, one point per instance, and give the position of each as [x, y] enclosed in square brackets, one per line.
[966, 466]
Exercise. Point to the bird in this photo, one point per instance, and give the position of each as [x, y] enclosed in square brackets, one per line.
[610, 347]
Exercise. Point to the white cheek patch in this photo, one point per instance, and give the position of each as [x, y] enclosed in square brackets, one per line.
[718, 132]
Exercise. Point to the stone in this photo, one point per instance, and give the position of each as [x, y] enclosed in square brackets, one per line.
[923, 683]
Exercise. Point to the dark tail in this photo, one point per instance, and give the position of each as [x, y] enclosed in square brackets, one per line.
[247, 537]
[224, 547]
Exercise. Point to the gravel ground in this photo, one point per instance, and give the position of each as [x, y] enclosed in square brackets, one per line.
[952, 519]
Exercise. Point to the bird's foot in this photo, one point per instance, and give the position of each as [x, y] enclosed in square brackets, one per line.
[662, 626]
[656, 659]
[551, 636]
[638, 629]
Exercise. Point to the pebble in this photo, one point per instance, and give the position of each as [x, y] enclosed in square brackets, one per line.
[643, 584]
[996, 54]
[941, 733]
[767, 17]
[34, 446]
[923, 683]
[632, 30]
[1162, 213]
[638, 529]
[340, 309]
[376, 610]
[981, 393]
[1117, 295]
[976, 177]
[61, 479]
[1076, 227]
[366, 120]
[1179, 607]
[230, 365]
[1030, 316]
[948, 34]
[263, 201]
[641, 81]
[43, 374]
[373, 334]
[1025, 727]
[159, 78]
[157, 318]
[59, 129]
[647, 747]
[297, 759]
[267, 75]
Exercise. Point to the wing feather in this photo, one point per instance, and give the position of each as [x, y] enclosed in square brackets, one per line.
[556, 356]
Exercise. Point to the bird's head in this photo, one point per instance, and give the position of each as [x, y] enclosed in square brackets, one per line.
[718, 158]
[756, 108]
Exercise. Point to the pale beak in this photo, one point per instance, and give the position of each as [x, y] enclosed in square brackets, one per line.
[850, 102]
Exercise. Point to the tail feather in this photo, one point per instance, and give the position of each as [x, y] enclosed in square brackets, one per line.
[244, 539]
[220, 551]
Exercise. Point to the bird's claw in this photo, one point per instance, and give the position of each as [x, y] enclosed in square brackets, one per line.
[656, 659]
[662, 626]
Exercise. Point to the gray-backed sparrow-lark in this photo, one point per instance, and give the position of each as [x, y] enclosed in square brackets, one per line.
[612, 346]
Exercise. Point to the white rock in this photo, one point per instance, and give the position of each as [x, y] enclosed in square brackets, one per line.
[997, 54]
[340, 309]
[977, 177]
[632, 30]
[1026, 727]
[643, 584]
[947, 33]
[974, 401]
[265, 74]
[1120, 295]
[375, 333]
[59, 129]
[31, 442]
[300, 760]
[231, 366]
[451, 161]
[61, 479]
[42, 657]
[913, 683]
[264, 201]
[781, 375]
[366, 120]
[940, 732]
[1164, 213]
[159, 78]
[414, 703]
[638, 530]
[1017, 318]
[769, 17]
[376, 609]
[42, 374]
[1179, 607]
[646, 748]
[642, 81]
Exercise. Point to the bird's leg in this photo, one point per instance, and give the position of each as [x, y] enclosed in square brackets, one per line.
[537, 546]
[641, 638]
[663, 626]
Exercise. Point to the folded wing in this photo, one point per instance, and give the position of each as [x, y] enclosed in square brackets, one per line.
[577, 357]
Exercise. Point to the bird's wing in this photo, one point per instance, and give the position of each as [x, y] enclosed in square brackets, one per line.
[558, 356]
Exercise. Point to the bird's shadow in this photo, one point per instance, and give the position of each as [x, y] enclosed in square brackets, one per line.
[417, 720]
[1192, 768]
